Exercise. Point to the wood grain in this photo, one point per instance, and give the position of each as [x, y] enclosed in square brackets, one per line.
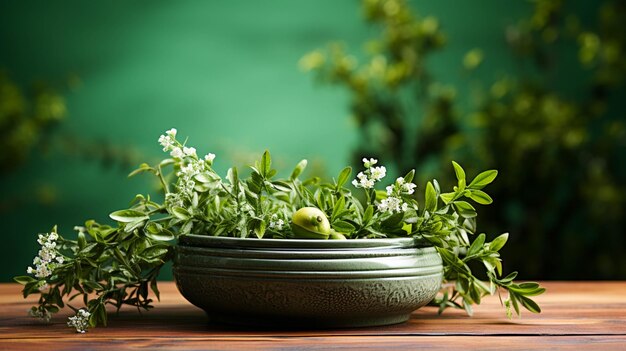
[574, 313]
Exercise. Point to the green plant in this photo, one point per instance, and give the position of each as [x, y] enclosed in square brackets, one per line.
[553, 125]
[119, 265]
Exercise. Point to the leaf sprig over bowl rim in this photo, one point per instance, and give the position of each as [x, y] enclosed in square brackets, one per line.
[119, 265]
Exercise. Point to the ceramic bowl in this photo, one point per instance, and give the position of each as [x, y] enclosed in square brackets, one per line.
[307, 283]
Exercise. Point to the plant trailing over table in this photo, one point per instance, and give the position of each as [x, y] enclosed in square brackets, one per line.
[119, 265]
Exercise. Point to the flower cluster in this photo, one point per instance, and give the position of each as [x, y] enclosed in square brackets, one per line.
[190, 166]
[394, 202]
[179, 151]
[168, 141]
[80, 321]
[401, 187]
[371, 175]
[276, 223]
[47, 258]
[41, 313]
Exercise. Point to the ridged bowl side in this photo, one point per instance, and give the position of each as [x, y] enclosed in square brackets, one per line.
[310, 283]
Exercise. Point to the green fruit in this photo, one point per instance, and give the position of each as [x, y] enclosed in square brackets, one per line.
[336, 235]
[310, 223]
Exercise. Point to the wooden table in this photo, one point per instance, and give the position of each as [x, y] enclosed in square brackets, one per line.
[589, 315]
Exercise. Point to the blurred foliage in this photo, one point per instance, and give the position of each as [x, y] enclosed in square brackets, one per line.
[554, 126]
[29, 121]
[25, 120]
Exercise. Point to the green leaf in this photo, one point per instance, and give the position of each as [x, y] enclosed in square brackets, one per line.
[509, 278]
[343, 227]
[477, 245]
[343, 177]
[155, 252]
[266, 164]
[513, 298]
[164, 235]
[393, 220]
[431, 198]
[408, 178]
[282, 186]
[233, 177]
[499, 242]
[128, 216]
[259, 229]
[299, 169]
[186, 228]
[155, 288]
[483, 179]
[180, 213]
[167, 162]
[460, 174]
[468, 308]
[469, 224]
[367, 216]
[311, 181]
[24, 279]
[465, 209]
[529, 304]
[480, 197]
[130, 227]
[205, 178]
[338, 208]
[527, 289]
[93, 285]
[144, 167]
[437, 187]
[447, 197]
[81, 242]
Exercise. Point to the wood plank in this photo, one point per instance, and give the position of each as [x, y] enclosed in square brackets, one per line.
[586, 312]
[388, 342]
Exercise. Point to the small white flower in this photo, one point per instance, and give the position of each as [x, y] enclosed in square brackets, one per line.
[45, 315]
[276, 223]
[378, 173]
[389, 190]
[172, 132]
[367, 183]
[209, 157]
[43, 287]
[408, 188]
[400, 181]
[189, 151]
[80, 321]
[369, 163]
[363, 181]
[392, 204]
[177, 153]
[44, 261]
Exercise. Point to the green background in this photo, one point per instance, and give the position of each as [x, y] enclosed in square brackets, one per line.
[224, 73]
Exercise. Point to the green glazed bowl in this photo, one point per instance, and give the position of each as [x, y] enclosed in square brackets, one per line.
[307, 283]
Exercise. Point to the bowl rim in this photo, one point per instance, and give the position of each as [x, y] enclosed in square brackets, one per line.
[252, 242]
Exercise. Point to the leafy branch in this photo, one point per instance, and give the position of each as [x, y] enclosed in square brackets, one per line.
[447, 222]
[119, 265]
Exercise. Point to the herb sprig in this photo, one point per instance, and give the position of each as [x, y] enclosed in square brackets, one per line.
[119, 265]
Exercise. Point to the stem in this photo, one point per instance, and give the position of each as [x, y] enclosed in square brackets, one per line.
[166, 187]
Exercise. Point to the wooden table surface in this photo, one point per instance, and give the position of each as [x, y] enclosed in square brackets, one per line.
[589, 315]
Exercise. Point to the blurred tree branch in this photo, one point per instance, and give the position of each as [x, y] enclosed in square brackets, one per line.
[560, 153]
